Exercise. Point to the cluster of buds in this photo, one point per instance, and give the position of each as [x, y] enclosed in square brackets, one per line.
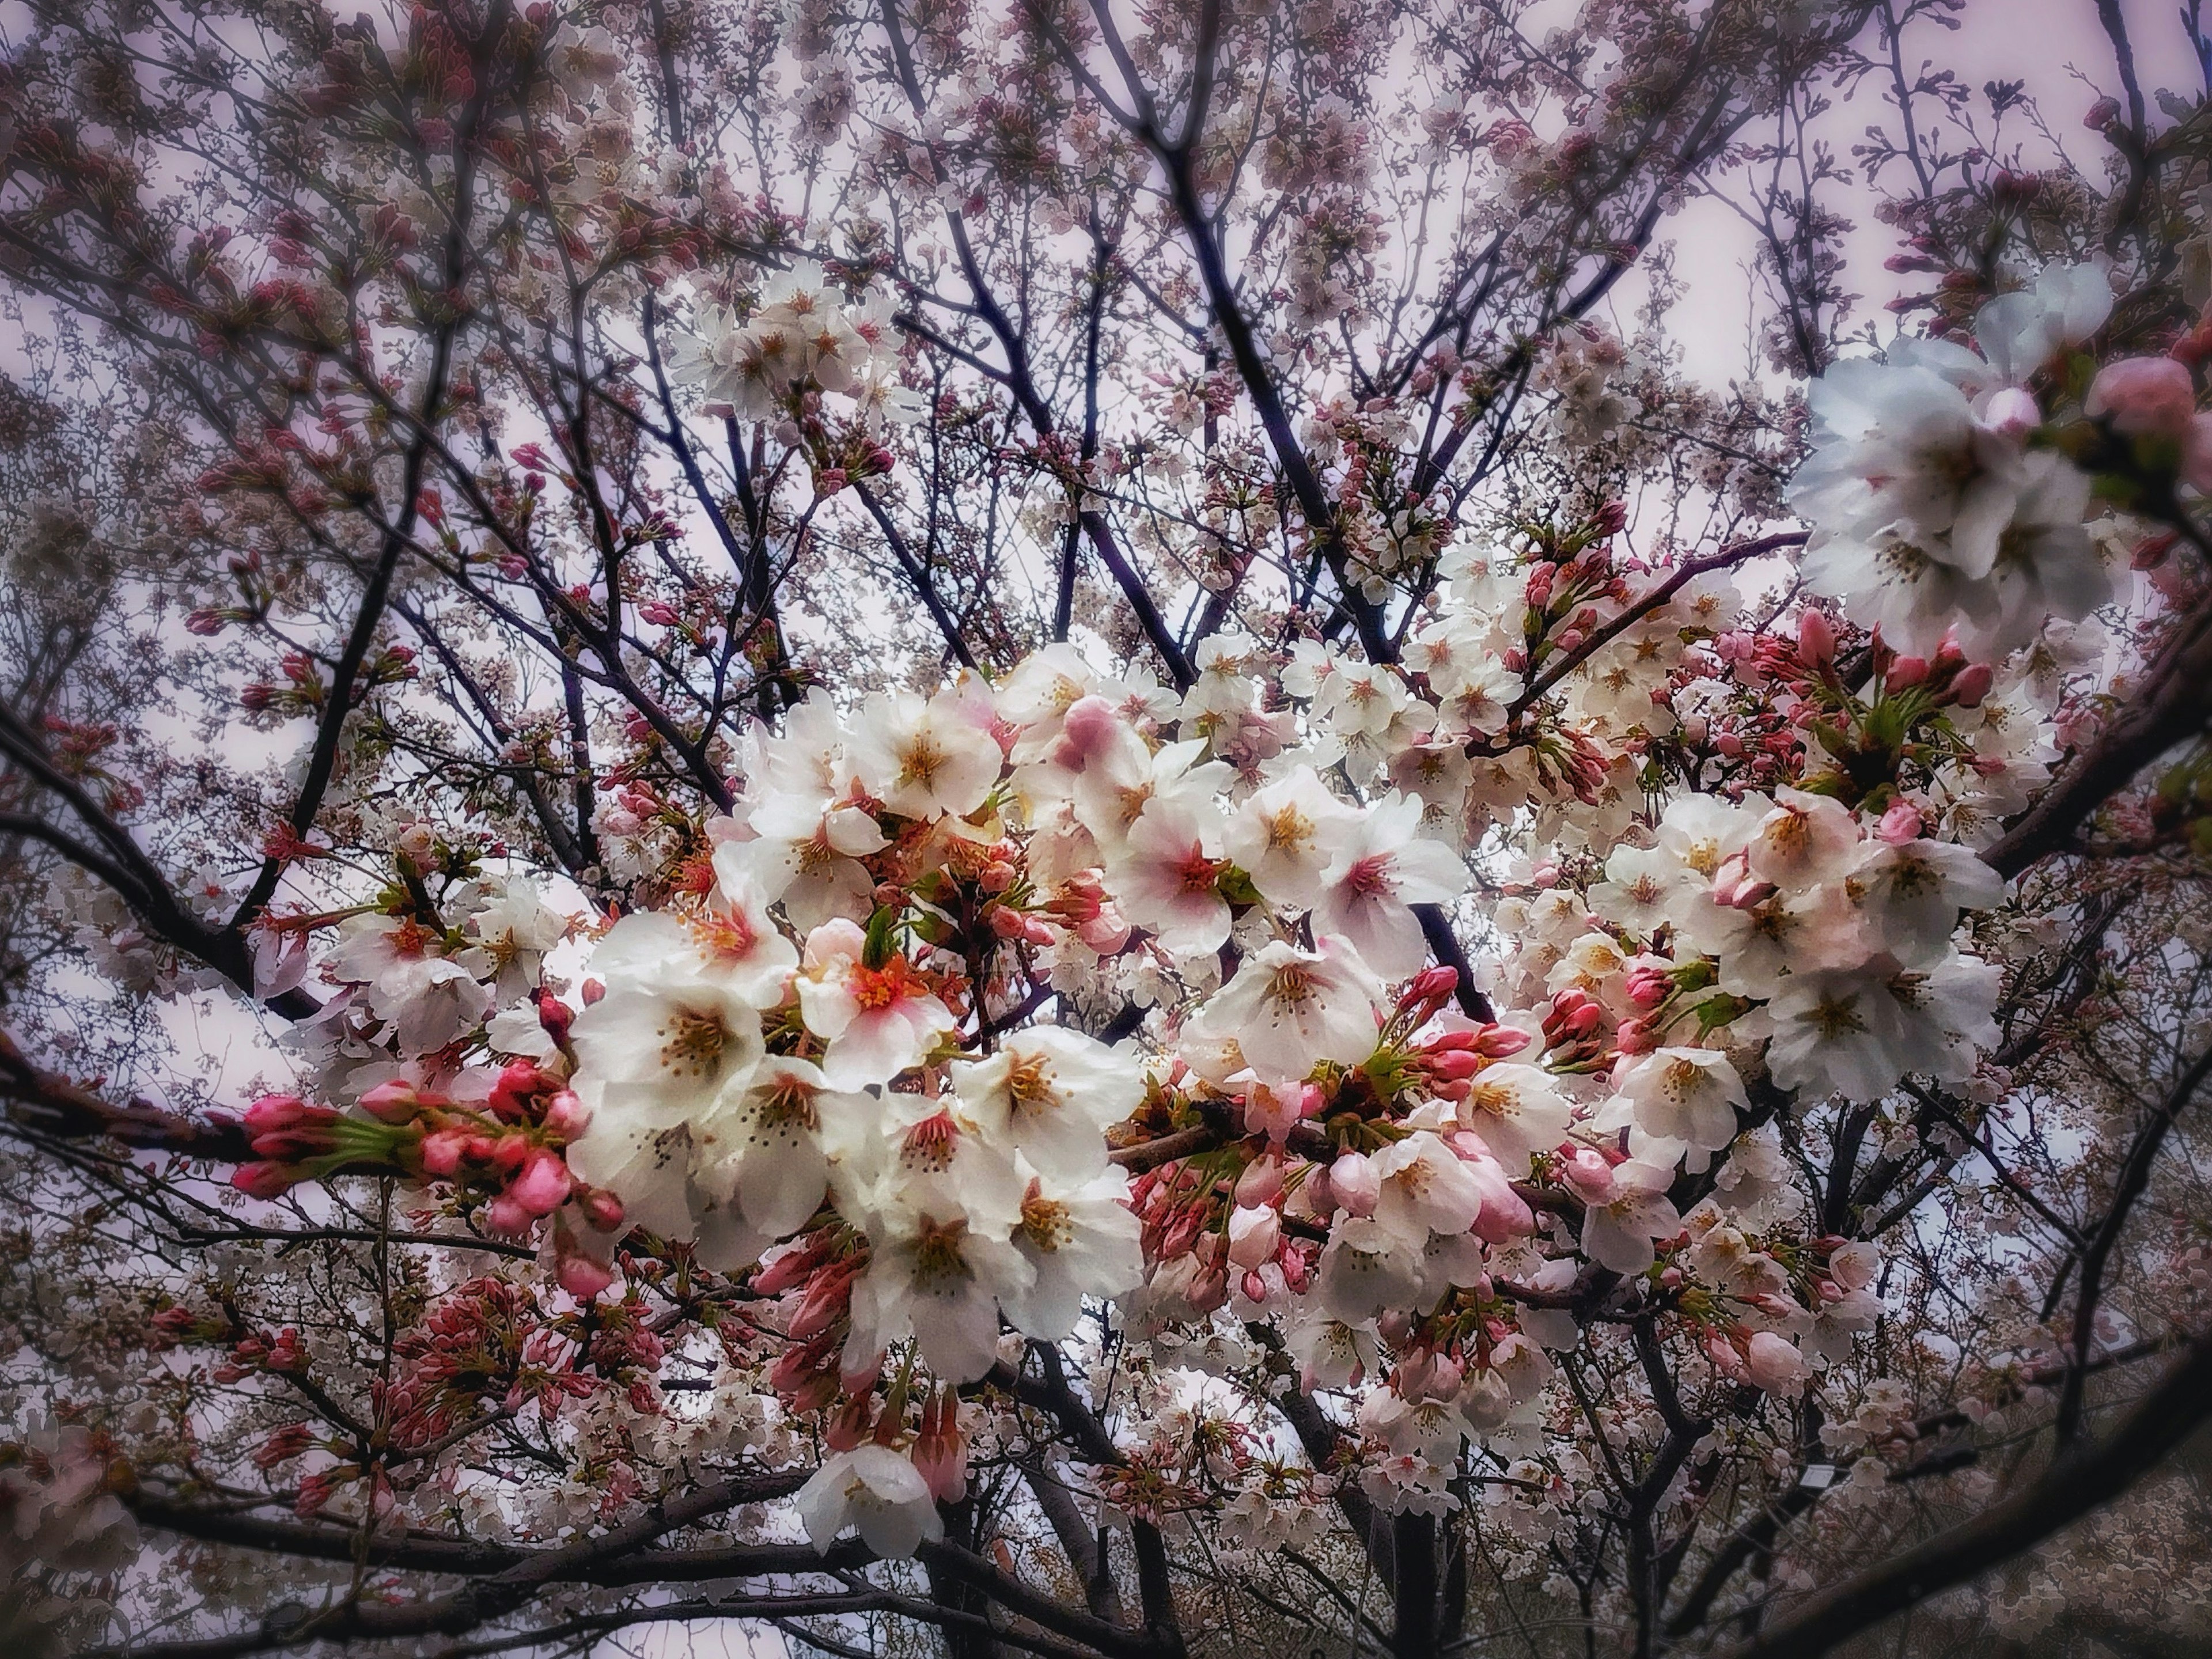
[1867, 734]
[815, 1279]
[1563, 593]
[301, 693]
[510, 1146]
[1659, 989]
[1577, 1030]
[259, 1350]
[866, 459]
[937, 1449]
[1080, 905]
[1444, 1066]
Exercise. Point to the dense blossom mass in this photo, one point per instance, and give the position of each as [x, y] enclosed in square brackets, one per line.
[976, 820]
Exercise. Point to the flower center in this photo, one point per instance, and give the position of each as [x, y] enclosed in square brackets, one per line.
[1292, 985]
[1369, 878]
[787, 1110]
[1837, 1016]
[692, 1040]
[1197, 872]
[921, 761]
[1289, 830]
[1045, 1220]
[1029, 1084]
[726, 934]
[928, 1145]
[939, 1262]
[877, 989]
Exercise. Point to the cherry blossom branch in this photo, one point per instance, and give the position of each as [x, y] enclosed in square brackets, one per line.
[1756, 1537]
[2174, 704]
[54, 1105]
[917, 573]
[2133, 1179]
[2084, 1479]
[507, 1590]
[1680, 578]
[468, 1558]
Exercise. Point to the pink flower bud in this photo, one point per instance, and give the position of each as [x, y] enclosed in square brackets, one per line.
[1816, 639]
[1087, 731]
[1971, 685]
[505, 1215]
[1270, 1113]
[583, 1277]
[442, 1152]
[1589, 1175]
[1903, 672]
[271, 1113]
[1353, 1181]
[1774, 1364]
[1412, 1379]
[1899, 824]
[1453, 1063]
[1430, 985]
[780, 1272]
[941, 1454]
[566, 1115]
[2144, 397]
[541, 1186]
[1648, 986]
[520, 1081]
[2013, 411]
[603, 1210]
[396, 1101]
[1319, 1195]
[265, 1180]
[1254, 1236]
[825, 1302]
[1735, 886]
[1261, 1182]
[1106, 932]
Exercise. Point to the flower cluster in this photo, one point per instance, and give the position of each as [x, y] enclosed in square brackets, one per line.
[803, 339]
[1937, 501]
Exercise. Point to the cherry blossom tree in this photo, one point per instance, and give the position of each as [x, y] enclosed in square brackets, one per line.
[1029, 829]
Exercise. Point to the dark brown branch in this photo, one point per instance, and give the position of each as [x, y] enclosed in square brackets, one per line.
[2174, 702]
[2086, 1478]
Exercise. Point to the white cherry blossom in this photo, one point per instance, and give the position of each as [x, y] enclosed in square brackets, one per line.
[1381, 869]
[1287, 1010]
[877, 1491]
[1689, 1095]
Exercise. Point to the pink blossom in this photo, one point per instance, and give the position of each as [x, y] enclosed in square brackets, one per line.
[1355, 1183]
[2144, 397]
